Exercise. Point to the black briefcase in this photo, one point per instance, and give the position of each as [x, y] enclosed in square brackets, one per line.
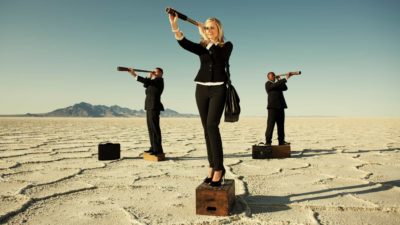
[262, 151]
[109, 151]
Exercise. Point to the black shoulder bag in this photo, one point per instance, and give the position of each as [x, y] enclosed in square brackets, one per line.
[232, 107]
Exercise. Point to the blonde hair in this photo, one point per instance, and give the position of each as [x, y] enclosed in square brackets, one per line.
[220, 38]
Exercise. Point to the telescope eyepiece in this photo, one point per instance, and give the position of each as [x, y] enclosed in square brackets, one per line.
[180, 15]
[170, 10]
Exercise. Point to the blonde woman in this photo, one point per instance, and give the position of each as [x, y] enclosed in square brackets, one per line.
[211, 81]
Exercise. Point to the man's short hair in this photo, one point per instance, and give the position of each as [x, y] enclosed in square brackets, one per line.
[161, 70]
[271, 73]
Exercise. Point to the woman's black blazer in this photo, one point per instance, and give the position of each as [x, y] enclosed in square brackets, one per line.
[212, 62]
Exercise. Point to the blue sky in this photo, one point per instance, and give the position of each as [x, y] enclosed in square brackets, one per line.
[56, 53]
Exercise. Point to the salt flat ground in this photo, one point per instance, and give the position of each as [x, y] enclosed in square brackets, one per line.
[342, 171]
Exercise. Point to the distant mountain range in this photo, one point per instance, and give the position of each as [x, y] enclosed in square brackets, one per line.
[84, 109]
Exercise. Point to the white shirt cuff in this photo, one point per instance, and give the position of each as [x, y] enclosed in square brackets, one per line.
[181, 38]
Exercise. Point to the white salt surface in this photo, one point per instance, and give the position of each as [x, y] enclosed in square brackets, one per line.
[342, 171]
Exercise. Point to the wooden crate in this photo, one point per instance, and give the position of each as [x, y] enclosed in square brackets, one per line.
[280, 151]
[215, 201]
[155, 158]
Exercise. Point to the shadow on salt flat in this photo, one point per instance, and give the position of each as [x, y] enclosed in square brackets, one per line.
[265, 204]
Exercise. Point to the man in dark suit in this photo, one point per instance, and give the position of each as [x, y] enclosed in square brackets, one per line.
[154, 85]
[276, 107]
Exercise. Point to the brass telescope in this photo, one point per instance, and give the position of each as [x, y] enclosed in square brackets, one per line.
[180, 15]
[121, 68]
[293, 73]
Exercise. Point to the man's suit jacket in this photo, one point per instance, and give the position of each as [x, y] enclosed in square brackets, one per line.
[213, 61]
[276, 100]
[154, 89]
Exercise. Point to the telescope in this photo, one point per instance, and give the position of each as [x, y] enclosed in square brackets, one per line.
[180, 15]
[293, 73]
[121, 68]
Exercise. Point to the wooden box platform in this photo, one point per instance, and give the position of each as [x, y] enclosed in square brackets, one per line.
[215, 201]
[262, 151]
[155, 158]
[281, 151]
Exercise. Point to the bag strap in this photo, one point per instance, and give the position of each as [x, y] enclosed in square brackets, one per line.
[228, 73]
